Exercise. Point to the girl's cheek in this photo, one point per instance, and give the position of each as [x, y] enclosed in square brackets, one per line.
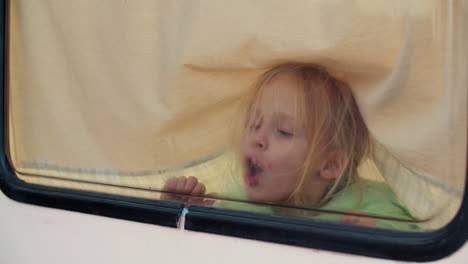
[277, 163]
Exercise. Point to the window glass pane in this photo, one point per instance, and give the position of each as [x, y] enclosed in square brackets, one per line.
[296, 109]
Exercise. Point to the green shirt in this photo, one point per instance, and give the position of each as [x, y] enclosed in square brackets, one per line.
[371, 197]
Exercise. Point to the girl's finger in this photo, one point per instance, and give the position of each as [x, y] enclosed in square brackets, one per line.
[356, 220]
[180, 184]
[208, 202]
[182, 198]
[200, 201]
[170, 185]
[195, 200]
[199, 189]
[212, 194]
[190, 185]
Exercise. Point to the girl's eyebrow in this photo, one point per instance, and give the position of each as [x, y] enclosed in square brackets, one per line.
[284, 116]
[289, 120]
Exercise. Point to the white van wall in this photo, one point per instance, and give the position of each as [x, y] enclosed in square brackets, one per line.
[33, 234]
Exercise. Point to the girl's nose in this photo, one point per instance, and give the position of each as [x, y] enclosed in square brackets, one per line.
[259, 140]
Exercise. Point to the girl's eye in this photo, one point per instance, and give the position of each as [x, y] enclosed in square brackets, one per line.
[254, 126]
[284, 133]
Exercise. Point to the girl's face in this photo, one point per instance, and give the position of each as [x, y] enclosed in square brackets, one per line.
[275, 144]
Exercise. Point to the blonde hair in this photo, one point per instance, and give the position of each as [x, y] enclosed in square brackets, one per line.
[332, 121]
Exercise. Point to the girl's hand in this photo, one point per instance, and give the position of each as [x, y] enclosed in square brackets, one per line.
[356, 220]
[186, 190]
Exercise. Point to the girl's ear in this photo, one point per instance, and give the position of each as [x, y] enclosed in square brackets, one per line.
[332, 165]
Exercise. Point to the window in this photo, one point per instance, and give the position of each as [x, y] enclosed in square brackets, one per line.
[293, 130]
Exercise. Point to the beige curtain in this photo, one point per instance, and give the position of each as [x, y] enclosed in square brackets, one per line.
[131, 92]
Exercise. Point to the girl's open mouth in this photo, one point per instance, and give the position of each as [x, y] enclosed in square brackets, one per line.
[253, 171]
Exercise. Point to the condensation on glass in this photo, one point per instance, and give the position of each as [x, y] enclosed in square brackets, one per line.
[121, 96]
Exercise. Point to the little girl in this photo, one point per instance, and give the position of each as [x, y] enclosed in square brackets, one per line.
[303, 141]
